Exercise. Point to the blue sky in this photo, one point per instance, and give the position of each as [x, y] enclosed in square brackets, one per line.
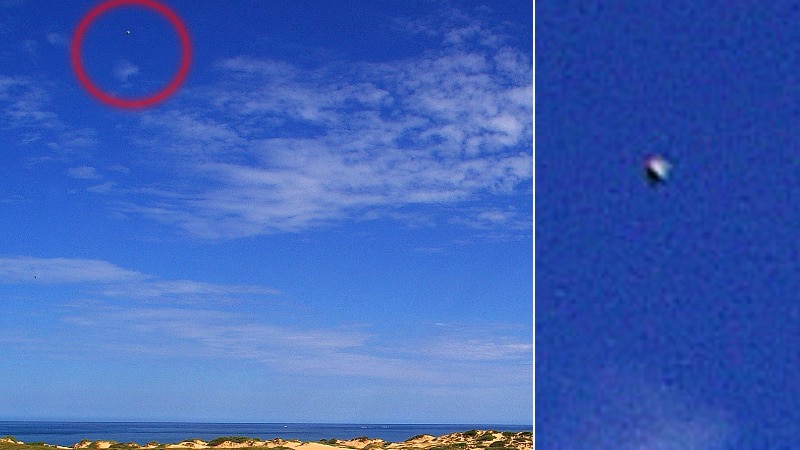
[667, 318]
[329, 221]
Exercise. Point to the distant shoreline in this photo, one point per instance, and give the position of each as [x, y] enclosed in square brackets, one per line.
[67, 434]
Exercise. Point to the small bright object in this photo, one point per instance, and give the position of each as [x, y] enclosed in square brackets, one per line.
[128, 32]
[657, 169]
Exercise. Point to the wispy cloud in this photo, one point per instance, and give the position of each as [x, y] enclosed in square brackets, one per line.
[284, 149]
[267, 146]
[126, 311]
[102, 188]
[124, 70]
[324, 351]
[27, 269]
[105, 279]
[624, 409]
[27, 108]
[15, 198]
[25, 103]
[481, 350]
[11, 3]
[156, 289]
[83, 173]
[455, 28]
[56, 39]
[119, 168]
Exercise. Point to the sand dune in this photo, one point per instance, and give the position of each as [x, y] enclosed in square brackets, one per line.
[468, 440]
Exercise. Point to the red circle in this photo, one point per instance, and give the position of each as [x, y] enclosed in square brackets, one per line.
[131, 103]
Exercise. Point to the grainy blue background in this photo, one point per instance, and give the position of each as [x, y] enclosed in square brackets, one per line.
[667, 318]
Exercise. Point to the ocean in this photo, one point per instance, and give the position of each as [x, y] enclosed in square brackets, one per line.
[69, 433]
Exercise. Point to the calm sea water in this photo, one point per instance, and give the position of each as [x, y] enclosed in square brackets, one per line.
[68, 433]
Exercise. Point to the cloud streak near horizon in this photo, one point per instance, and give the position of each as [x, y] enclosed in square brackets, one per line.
[140, 313]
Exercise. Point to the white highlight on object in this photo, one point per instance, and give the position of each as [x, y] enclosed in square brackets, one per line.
[657, 169]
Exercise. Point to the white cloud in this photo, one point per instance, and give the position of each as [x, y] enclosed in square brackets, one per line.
[14, 198]
[119, 168]
[494, 220]
[27, 108]
[459, 29]
[25, 103]
[511, 62]
[480, 350]
[110, 281]
[25, 269]
[626, 410]
[56, 39]
[127, 311]
[102, 188]
[124, 70]
[83, 173]
[275, 148]
[156, 289]
[460, 35]
[291, 348]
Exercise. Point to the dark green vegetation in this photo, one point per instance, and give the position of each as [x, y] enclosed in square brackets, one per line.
[454, 446]
[11, 443]
[234, 439]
